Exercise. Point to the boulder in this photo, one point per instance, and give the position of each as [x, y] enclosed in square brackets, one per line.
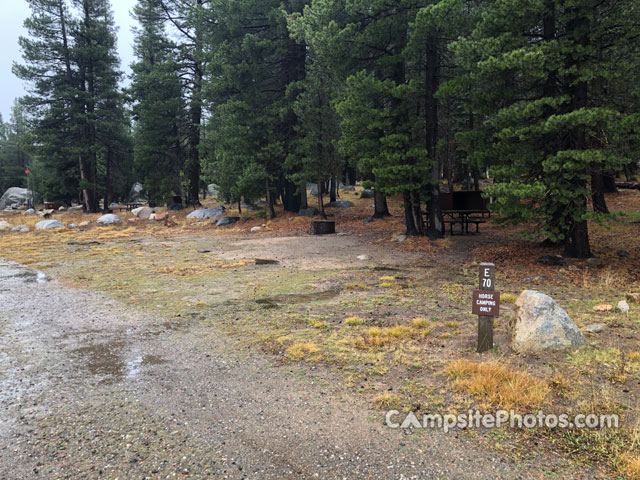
[72, 225]
[142, 212]
[62, 209]
[84, 224]
[159, 217]
[595, 262]
[5, 225]
[595, 327]
[30, 211]
[76, 208]
[622, 307]
[256, 229]
[308, 212]
[401, 238]
[540, 324]
[109, 219]
[551, 260]
[136, 194]
[366, 194]
[340, 204]
[15, 197]
[18, 228]
[49, 225]
[227, 221]
[211, 213]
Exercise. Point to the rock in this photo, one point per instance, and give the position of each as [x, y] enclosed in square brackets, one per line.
[364, 258]
[15, 197]
[537, 278]
[72, 225]
[5, 225]
[368, 221]
[84, 224]
[340, 204]
[595, 327]
[401, 238]
[49, 225]
[227, 221]
[46, 213]
[133, 220]
[76, 208]
[159, 217]
[540, 324]
[633, 297]
[136, 194]
[366, 194]
[595, 262]
[202, 213]
[142, 212]
[62, 209]
[109, 219]
[602, 307]
[308, 212]
[622, 307]
[30, 211]
[16, 229]
[256, 229]
[623, 254]
[551, 260]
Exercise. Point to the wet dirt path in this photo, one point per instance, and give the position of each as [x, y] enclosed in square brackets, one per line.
[90, 388]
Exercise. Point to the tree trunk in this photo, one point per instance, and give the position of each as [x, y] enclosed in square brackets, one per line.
[380, 207]
[577, 244]
[272, 211]
[609, 182]
[304, 202]
[412, 229]
[320, 201]
[597, 190]
[434, 213]
[332, 190]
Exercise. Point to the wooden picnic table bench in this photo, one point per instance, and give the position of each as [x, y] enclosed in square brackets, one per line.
[127, 207]
[463, 208]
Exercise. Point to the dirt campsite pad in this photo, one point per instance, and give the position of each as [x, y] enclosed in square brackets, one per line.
[219, 366]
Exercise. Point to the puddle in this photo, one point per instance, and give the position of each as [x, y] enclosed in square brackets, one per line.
[294, 298]
[110, 360]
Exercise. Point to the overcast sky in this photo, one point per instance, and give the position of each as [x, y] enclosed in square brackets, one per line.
[13, 14]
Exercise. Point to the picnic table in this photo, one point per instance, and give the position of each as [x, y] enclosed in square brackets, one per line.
[463, 208]
[127, 206]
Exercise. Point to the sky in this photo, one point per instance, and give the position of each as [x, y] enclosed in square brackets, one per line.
[13, 14]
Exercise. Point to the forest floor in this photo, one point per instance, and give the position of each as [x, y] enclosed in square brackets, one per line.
[392, 331]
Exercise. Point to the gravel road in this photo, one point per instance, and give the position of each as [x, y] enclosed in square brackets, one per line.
[91, 388]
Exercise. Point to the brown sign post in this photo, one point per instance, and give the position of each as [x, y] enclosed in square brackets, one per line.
[486, 304]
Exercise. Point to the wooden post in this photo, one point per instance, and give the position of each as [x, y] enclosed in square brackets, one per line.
[485, 323]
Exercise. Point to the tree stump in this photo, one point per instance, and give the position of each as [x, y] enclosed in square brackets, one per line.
[323, 227]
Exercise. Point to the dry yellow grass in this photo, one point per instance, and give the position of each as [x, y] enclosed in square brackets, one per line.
[351, 321]
[304, 351]
[508, 298]
[420, 323]
[497, 384]
[629, 466]
[388, 401]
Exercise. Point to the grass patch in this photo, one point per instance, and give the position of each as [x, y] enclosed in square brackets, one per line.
[304, 351]
[497, 384]
[351, 321]
[508, 298]
[420, 323]
[388, 401]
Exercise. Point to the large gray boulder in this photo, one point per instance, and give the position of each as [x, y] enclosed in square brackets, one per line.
[49, 225]
[142, 212]
[541, 324]
[211, 213]
[340, 204]
[109, 219]
[227, 221]
[136, 194]
[15, 197]
[5, 225]
[308, 212]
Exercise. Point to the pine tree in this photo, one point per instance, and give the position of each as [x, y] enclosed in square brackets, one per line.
[158, 106]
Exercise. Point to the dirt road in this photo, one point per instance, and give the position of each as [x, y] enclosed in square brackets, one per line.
[91, 388]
